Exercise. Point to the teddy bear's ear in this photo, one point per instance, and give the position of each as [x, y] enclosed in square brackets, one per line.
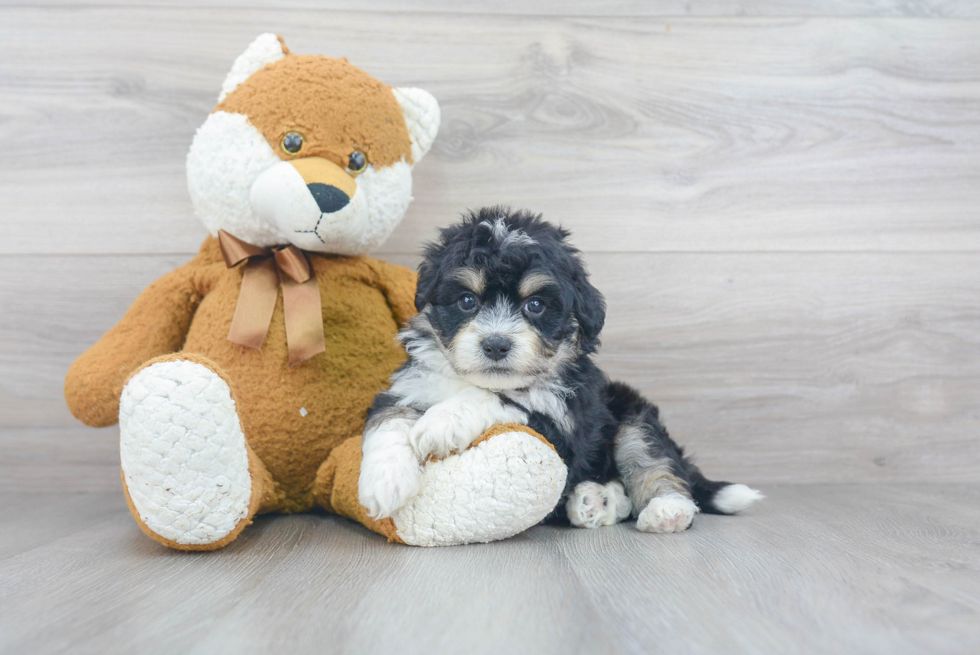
[421, 116]
[263, 50]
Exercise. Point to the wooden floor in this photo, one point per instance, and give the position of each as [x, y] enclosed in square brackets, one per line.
[814, 569]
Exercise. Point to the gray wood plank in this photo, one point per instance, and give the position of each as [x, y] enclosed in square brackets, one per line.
[814, 569]
[639, 133]
[341, 587]
[771, 367]
[660, 8]
[834, 569]
[33, 519]
[65, 460]
[53, 309]
[500, 610]
[866, 367]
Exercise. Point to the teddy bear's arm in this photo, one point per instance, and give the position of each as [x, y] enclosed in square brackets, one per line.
[156, 324]
[397, 283]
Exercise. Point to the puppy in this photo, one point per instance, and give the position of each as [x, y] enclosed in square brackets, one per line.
[507, 325]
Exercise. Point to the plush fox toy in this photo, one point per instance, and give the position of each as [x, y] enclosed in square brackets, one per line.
[241, 380]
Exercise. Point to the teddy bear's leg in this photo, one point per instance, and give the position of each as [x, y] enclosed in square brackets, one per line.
[335, 488]
[191, 480]
[507, 481]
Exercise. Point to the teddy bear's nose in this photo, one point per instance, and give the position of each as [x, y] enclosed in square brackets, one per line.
[329, 198]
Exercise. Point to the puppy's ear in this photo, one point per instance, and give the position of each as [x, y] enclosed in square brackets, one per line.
[426, 286]
[590, 311]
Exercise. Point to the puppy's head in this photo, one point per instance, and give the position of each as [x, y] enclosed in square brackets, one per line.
[508, 299]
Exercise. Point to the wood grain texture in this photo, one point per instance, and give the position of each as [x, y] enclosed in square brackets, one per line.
[813, 569]
[640, 134]
[659, 8]
[779, 200]
[771, 367]
[64, 460]
[843, 561]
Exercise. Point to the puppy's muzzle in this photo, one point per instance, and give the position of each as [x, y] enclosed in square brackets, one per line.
[496, 346]
[329, 184]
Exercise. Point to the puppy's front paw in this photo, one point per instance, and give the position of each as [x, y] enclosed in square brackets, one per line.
[388, 480]
[669, 513]
[439, 433]
[584, 505]
[591, 504]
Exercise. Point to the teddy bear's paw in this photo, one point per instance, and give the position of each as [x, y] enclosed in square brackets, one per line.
[672, 512]
[591, 505]
[183, 453]
[440, 432]
[494, 490]
[388, 479]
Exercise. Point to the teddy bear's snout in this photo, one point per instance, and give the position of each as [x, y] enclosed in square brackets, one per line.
[329, 184]
[297, 197]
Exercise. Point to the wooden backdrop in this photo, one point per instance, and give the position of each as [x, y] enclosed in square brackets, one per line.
[780, 200]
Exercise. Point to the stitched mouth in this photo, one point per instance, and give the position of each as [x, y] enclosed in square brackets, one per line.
[315, 229]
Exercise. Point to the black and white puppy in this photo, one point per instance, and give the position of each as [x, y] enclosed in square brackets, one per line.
[507, 324]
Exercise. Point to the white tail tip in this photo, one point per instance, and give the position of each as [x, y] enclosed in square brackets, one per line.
[735, 497]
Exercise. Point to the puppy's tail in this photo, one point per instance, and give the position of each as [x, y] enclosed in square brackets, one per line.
[715, 497]
[645, 454]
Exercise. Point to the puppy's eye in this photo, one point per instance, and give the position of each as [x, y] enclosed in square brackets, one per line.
[357, 162]
[467, 302]
[292, 142]
[534, 306]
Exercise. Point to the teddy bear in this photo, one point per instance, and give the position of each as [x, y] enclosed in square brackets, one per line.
[242, 379]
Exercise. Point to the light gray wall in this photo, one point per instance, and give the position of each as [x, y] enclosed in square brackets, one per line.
[781, 201]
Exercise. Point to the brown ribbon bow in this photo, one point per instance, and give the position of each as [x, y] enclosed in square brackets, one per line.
[265, 270]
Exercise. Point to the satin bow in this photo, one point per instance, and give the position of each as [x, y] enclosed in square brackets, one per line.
[266, 269]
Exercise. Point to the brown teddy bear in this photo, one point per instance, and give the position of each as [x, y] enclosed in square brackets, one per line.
[241, 380]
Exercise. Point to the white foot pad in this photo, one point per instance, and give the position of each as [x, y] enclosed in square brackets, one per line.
[591, 505]
[183, 452]
[492, 491]
[672, 512]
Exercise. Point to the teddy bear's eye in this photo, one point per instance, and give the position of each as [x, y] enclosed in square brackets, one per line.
[292, 142]
[357, 162]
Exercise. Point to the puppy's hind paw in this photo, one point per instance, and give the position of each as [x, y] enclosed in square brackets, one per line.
[672, 512]
[387, 482]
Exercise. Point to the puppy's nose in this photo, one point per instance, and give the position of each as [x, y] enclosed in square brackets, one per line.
[496, 347]
[328, 197]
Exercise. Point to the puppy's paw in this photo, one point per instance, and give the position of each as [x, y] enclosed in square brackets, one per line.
[618, 504]
[591, 504]
[584, 505]
[388, 480]
[672, 512]
[438, 433]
